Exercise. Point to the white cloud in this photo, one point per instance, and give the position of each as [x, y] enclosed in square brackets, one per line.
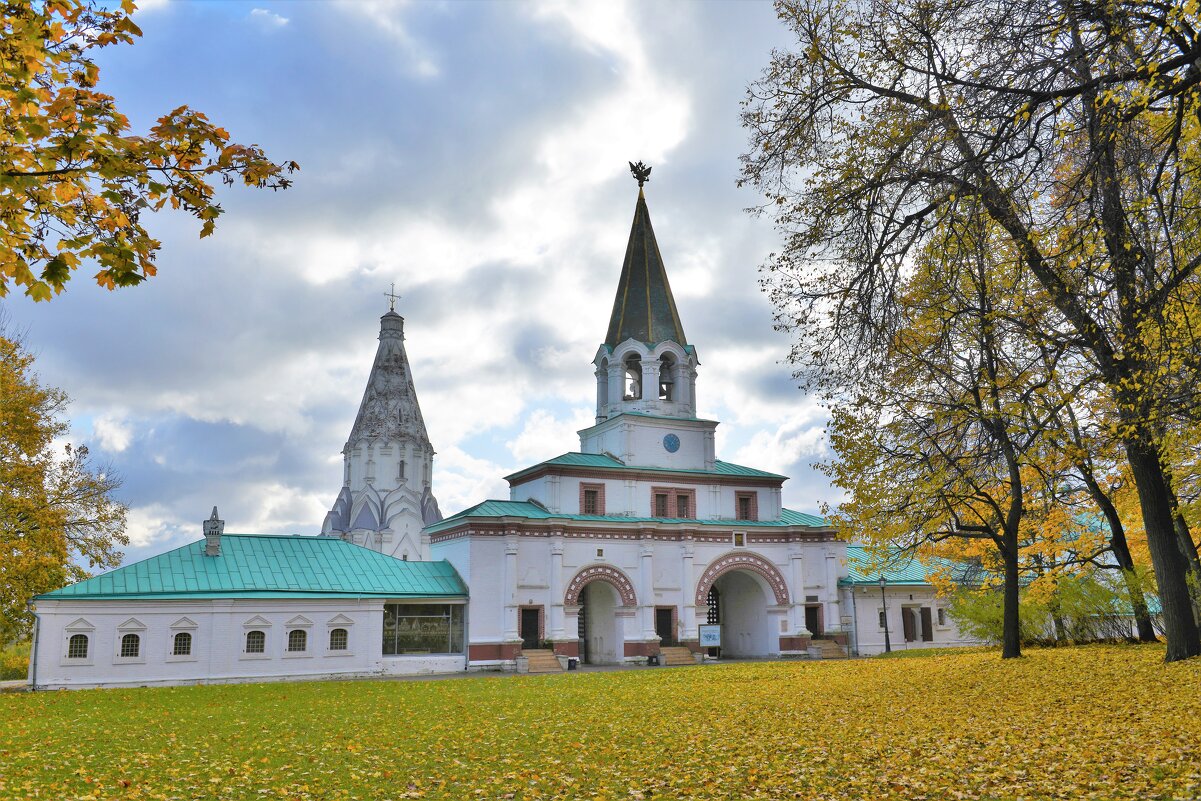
[268, 18]
[112, 433]
[388, 16]
[545, 436]
[147, 525]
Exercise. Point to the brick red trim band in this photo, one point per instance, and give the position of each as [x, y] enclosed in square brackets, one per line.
[741, 560]
[608, 573]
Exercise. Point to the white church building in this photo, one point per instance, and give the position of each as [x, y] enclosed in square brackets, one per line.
[625, 551]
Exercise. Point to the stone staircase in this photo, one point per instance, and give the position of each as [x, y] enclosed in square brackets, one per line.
[541, 661]
[676, 657]
[829, 649]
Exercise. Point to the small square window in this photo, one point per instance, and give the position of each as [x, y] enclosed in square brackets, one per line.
[739, 539]
[600, 553]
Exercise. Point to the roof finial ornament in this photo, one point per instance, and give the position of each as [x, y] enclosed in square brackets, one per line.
[642, 173]
[392, 298]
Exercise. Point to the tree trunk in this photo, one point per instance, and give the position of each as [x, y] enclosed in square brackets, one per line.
[1011, 641]
[1171, 565]
[1121, 554]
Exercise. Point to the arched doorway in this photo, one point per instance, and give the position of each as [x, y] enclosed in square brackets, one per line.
[742, 585]
[601, 642]
[742, 612]
[601, 594]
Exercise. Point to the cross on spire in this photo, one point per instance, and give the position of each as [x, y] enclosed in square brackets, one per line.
[392, 298]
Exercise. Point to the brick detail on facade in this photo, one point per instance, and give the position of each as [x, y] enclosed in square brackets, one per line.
[753, 503]
[599, 489]
[741, 560]
[485, 652]
[794, 643]
[620, 581]
[673, 495]
[642, 649]
[567, 648]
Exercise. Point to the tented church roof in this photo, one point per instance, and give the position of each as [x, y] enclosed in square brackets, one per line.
[644, 309]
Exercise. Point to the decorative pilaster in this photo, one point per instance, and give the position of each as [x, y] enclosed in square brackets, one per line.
[687, 582]
[833, 618]
[510, 589]
[646, 588]
[796, 562]
[556, 627]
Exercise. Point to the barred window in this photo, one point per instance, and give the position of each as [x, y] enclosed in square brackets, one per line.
[77, 646]
[338, 640]
[256, 642]
[298, 640]
[130, 646]
[182, 644]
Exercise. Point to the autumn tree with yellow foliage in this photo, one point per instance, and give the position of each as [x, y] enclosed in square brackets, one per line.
[74, 182]
[58, 516]
[1074, 128]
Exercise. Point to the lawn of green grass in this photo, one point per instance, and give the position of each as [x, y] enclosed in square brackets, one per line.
[1100, 722]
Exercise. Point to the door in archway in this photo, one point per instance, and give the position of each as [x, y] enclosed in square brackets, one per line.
[745, 629]
[599, 608]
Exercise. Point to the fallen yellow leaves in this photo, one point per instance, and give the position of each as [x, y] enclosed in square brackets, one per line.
[1098, 722]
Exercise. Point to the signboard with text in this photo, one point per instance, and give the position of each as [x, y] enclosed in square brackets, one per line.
[710, 635]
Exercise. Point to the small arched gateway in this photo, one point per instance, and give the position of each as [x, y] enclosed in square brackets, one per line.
[603, 599]
[742, 586]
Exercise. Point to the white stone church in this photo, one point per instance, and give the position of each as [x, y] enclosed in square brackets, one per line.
[626, 550]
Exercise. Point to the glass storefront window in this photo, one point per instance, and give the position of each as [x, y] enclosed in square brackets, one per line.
[423, 629]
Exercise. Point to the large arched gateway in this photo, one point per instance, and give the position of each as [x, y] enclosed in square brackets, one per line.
[602, 598]
[747, 596]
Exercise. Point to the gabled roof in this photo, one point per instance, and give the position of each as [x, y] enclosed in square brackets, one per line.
[260, 566]
[529, 510]
[896, 567]
[644, 309]
[605, 462]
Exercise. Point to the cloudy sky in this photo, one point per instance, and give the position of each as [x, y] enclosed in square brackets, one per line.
[473, 153]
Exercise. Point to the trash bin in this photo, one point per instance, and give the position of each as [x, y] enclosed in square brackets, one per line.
[652, 661]
[572, 663]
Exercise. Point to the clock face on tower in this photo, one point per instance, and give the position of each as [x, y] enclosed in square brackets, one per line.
[671, 443]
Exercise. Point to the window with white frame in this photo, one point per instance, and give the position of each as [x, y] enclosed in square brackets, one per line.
[882, 619]
[77, 646]
[942, 616]
[256, 642]
[181, 644]
[739, 539]
[338, 639]
[131, 646]
[298, 641]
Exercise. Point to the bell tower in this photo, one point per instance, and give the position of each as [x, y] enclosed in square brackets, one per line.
[646, 370]
[645, 364]
[387, 497]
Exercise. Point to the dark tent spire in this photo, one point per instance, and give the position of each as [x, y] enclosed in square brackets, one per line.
[644, 309]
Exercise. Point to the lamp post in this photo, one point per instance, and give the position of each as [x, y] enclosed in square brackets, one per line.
[884, 602]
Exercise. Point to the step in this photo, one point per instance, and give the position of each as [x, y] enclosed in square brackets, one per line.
[542, 661]
[676, 656]
[830, 649]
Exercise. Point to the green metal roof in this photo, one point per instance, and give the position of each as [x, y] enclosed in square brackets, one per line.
[531, 511]
[605, 462]
[895, 566]
[644, 309]
[261, 566]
